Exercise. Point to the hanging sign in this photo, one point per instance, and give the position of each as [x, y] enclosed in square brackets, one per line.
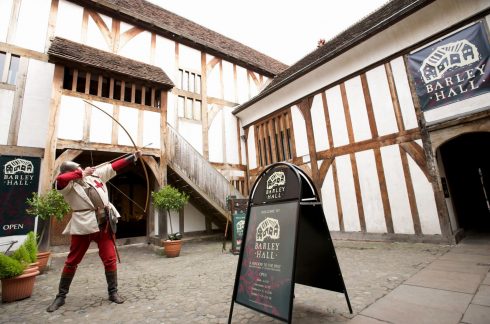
[19, 179]
[452, 69]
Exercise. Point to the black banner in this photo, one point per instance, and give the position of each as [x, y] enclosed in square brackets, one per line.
[238, 227]
[452, 69]
[20, 178]
[266, 276]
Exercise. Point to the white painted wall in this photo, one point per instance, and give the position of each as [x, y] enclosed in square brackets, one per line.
[36, 104]
[347, 194]
[242, 85]
[404, 94]
[151, 129]
[95, 37]
[252, 153]
[299, 129]
[69, 21]
[397, 190]
[319, 124]
[32, 24]
[231, 135]
[426, 203]
[129, 118]
[6, 102]
[138, 48]
[370, 192]
[213, 79]
[71, 118]
[383, 110]
[189, 58]
[330, 202]
[337, 116]
[357, 108]
[192, 132]
[228, 82]
[215, 139]
[5, 12]
[165, 57]
[194, 220]
[101, 124]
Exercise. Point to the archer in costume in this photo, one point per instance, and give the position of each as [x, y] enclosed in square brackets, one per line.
[93, 218]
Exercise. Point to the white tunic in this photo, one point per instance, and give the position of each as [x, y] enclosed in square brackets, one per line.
[85, 222]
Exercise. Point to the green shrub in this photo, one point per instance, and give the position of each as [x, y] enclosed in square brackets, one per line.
[169, 198]
[9, 267]
[31, 245]
[46, 205]
[21, 255]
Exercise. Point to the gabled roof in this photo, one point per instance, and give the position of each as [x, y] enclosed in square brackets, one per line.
[164, 22]
[63, 50]
[386, 16]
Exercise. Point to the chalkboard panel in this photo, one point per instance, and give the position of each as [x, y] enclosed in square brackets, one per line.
[266, 276]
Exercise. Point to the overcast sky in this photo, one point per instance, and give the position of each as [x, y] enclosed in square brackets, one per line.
[286, 30]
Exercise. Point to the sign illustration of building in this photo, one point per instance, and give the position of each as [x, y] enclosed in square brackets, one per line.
[18, 165]
[268, 228]
[276, 179]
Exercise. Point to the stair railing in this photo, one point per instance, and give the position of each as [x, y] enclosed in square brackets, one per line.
[181, 154]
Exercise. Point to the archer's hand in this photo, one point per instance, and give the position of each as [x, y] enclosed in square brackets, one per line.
[88, 171]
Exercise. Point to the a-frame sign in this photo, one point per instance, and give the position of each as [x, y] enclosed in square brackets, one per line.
[285, 241]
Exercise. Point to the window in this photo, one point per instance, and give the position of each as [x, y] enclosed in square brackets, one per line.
[96, 84]
[189, 81]
[9, 66]
[273, 139]
[189, 108]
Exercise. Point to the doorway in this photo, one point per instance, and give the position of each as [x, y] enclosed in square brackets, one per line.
[466, 164]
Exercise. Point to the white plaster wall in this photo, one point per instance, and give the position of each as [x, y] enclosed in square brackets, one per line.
[347, 194]
[95, 37]
[129, 118]
[215, 139]
[319, 125]
[71, 118]
[329, 202]
[397, 190]
[383, 110]
[358, 111]
[6, 103]
[32, 24]
[409, 31]
[231, 135]
[459, 108]
[426, 203]
[252, 153]
[255, 87]
[337, 116]
[370, 192]
[35, 107]
[299, 129]
[404, 94]
[69, 21]
[228, 81]
[101, 124]
[5, 11]
[138, 48]
[213, 79]
[192, 132]
[189, 58]
[172, 110]
[165, 57]
[194, 220]
[242, 85]
[151, 129]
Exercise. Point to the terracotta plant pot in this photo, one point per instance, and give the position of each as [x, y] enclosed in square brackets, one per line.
[172, 248]
[43, 258]
[19, 287]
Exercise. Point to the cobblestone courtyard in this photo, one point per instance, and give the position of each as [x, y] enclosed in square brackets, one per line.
[197, 286]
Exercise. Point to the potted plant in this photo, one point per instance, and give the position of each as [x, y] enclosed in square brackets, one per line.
[167, 199]
[17, 279]
[45, 206]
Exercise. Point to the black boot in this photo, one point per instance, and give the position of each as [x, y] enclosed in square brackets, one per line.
[65, 282]
[111, 277]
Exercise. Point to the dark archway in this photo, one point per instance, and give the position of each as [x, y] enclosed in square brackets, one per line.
[466, 161]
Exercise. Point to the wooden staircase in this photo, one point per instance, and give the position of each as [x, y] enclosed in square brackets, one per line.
[191, 173]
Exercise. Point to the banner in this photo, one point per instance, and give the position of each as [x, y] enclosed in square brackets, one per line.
[20, 178]
[452, 69]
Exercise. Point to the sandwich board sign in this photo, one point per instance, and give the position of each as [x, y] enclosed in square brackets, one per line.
[285, 241]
